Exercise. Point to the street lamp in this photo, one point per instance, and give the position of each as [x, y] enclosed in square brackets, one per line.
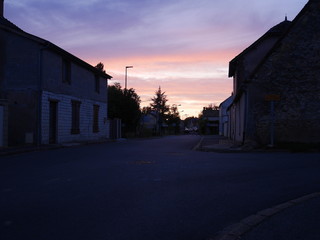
[126, 76]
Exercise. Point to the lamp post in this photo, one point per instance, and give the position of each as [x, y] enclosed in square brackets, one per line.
[126, 76]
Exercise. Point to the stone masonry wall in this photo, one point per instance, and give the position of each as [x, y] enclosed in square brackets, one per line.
[292, 72]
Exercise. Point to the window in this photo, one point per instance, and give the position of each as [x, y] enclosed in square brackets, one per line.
[97, 83]
[95, 118]
[66, 71]
[75, 127]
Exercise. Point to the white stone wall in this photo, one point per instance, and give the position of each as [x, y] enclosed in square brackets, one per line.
[64, 119]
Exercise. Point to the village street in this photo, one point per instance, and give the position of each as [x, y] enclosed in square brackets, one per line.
[144, 189]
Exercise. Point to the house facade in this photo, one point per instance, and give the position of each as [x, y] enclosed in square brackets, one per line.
[224, 117]
[277, 84]
[51, 95]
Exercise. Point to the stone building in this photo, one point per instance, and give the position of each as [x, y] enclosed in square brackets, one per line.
[51, 95]
[277, 84]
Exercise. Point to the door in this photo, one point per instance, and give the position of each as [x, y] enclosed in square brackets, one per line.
[53, 122]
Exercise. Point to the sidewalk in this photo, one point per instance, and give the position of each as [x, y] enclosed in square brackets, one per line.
[32, 148]
[216, 143]
[24, 149]
[298, 219]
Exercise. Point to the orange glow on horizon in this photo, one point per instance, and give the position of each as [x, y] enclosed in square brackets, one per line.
[192, 80]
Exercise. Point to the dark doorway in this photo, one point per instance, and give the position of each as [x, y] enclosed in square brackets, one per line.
[53, 122]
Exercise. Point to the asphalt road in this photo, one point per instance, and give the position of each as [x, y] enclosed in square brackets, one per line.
[157, 189]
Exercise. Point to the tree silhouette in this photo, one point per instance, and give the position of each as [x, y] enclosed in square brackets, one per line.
[124, 104]
[173, 119]
[146, 110]
[100, 66]
[160, 107]
[174, 111]
[159, 103]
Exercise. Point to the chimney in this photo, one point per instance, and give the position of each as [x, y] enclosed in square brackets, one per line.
[1, 8]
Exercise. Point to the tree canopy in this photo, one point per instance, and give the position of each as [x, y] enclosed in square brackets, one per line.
[159, 102]
[124, 104]
[100, 66]
[167, 115]
[173, 118]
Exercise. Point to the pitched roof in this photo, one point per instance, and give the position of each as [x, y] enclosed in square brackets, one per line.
[280, 28]
[7, 23]
[227, 102]
[276, 31]
[9, 26]
[278, 43]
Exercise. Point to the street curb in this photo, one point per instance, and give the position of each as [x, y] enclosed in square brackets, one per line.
[28, 150]
[198, 146]
[218, 148]
[42, 148]
[222, 150]
[235, 231]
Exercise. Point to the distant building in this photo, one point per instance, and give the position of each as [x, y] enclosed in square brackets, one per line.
[224, 117]
[50, 95]
[148, 124]
[277, 84]
[210, 118]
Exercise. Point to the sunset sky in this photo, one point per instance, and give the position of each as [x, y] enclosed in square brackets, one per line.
[184, 46]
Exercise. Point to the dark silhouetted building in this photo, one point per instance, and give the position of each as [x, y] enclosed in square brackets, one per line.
[210, 117]
[277, 84]
[51, 96]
